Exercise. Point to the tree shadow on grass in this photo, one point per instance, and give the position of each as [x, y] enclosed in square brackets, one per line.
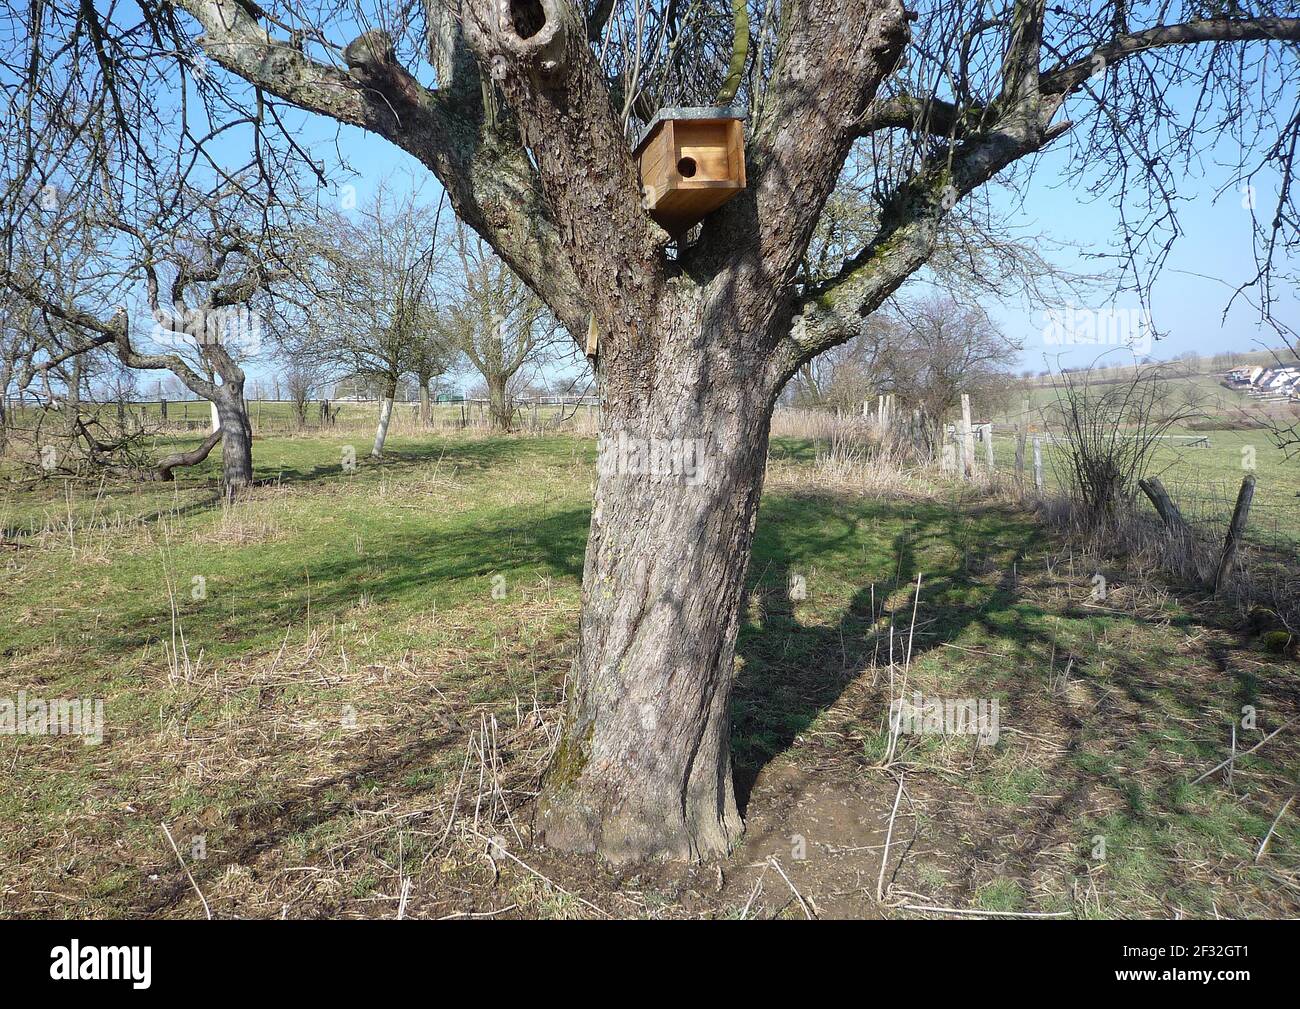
[792, 671]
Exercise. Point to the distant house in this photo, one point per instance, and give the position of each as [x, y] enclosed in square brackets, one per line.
[1246, 376]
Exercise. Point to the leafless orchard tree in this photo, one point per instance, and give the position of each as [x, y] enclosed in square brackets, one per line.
[491, 317]
[432, 356]
[941, 349]
[521, 107]
[303, 379]
[375, 318]
[204, 277]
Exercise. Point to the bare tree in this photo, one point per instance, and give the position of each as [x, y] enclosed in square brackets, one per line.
[303, 378]
[526, 130]
[490, 316]
[940, 349]
[431, 357]
[202, 272]
[379, 263]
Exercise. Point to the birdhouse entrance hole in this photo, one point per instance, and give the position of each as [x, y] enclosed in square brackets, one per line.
[692, 161]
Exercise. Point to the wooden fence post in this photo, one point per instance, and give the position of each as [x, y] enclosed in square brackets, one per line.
[1236, 530]
[967, 439]
[1165, 507]
[1022, 433]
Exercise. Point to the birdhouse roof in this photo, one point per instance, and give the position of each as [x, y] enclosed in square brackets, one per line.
[676, 113]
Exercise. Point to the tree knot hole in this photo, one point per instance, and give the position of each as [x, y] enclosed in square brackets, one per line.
[527, 17]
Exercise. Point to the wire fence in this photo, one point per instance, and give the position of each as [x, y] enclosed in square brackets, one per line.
[279, 416]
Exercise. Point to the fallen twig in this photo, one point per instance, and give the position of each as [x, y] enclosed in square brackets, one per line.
[206, 910]
[987, 914]
[798, 896]
[884, 858]
[1277, 819]
[1245, 753]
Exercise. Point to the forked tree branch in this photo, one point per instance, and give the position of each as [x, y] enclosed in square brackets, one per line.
[486, 172]
[833, 56]
[831, 313]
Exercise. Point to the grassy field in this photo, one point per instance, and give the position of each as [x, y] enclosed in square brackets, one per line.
[332, 692]
[1202, 480]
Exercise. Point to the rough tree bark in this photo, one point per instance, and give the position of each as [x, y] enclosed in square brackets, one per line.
[500, 410]
[644, 765]
[236, 439]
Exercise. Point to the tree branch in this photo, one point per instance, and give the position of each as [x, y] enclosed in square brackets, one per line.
[486, 172]
[831, 313]
[191, 458]
[739, 52]
[833, 56]
[538, 54]
[1065, 80]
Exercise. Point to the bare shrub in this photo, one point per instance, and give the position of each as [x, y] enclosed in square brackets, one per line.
[1108, 433]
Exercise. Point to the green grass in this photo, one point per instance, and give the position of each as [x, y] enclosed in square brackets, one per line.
[350, 640]
[1203, 481]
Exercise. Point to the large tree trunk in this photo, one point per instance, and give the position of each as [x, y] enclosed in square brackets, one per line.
[643, 768]
[385, 417]
[236, 443]
[426, 409]
[499, 405]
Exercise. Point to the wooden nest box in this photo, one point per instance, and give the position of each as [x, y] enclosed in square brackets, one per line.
[692, 161]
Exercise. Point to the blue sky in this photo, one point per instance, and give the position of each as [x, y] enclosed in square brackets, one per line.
[1216, 243]
[1187, 307]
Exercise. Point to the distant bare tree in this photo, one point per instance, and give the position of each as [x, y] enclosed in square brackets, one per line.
[376, 316]
[303, 378]
[431, 356]
[937, 348]
[490, 315]
[203, 274]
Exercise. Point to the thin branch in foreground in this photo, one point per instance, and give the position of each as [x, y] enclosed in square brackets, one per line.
[170, 840]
